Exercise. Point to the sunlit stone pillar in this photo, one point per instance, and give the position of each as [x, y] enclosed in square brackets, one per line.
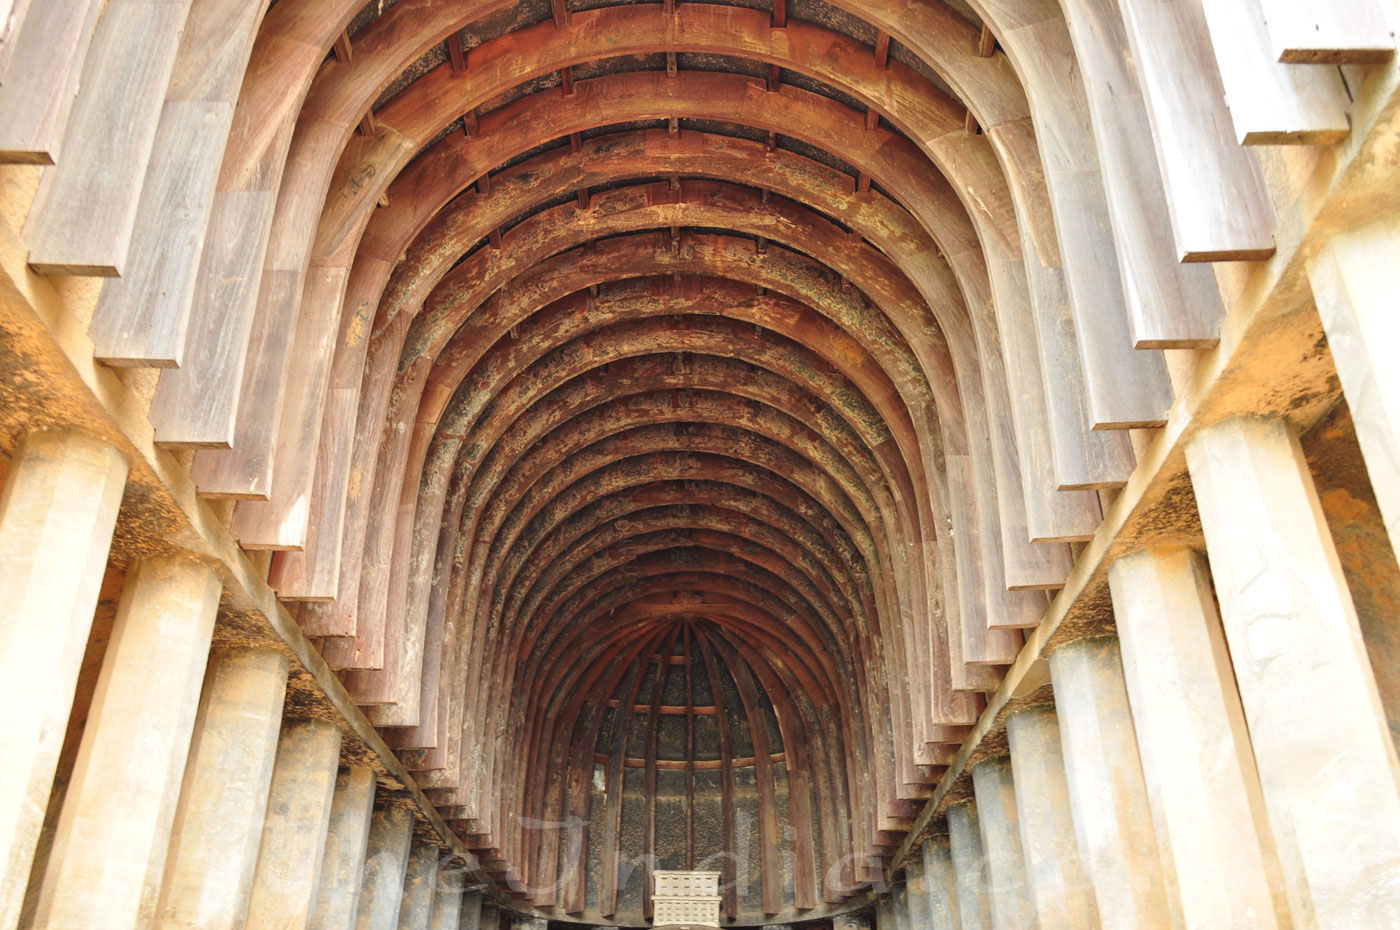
[940, 883]
[56, 519]
[386, 864]
[1112, 821]
[1012, 908]
[1355, 279]
[969, 867]
[1197, 761]
[219, 821]
[1058, 884]
[104, 871]
[447, 899]
[294, 830]
[342, 863]
[1327, 766]
[419, 887]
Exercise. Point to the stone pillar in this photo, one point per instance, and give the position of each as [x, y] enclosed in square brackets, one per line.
[1112, 821]
[969, 867]
[884, 913]
[1327, 766]
[940, 884]
[419, 887]
[919, 915]
[899, 896]
[447, 900]
[489, 917]
[1058, 883]
[472, 907]
[56, 519]
[294, 830]
[104, 871]
[1012, 907]
[386, 864]
[342, 863]
[1199, 768]
[218, 824]
[1356, 282]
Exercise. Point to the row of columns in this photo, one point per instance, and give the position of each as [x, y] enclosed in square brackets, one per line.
[192, 804]
[1210, 766]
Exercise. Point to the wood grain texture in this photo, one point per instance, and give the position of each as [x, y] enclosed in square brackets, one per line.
[1272, 103]
[37, 93]
[83, 217]
[1356, 32]
[1220, 206]
[195, 405]
[142, 317]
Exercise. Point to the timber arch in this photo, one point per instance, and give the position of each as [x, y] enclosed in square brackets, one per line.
[932, 462]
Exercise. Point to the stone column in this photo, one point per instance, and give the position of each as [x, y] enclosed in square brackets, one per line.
[294, 830]
[899, 896]
[489, 917]
[1112, 821]
[419, 887]
[884, 913]
[342, 863]
[1327, 766]
[919, 915]
[386, 864]
[447, 900]
[472, 907]
[1199, 768]
[1356, 281]
[969, 867]
[218, 824]
[104, 871]
[940, 884]
[1058, 883]
[1012, 907]
[56, 519]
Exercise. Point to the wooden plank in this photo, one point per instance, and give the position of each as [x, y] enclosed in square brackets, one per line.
[1168, 306]
[1120, 385]
[986, 43]
[142, 317]
[244, 470]
[1333, 32]
[1011, 370]
[39, 90]
[1272, 103]
[194, 406]
[282, 521]
[1052, 515]
[82, 219]
[1220, 205]
[13, 15]
[980, 644]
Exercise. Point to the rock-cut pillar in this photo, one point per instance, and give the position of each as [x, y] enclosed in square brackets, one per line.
[1327, 766]
[104, 871]
[59, 507]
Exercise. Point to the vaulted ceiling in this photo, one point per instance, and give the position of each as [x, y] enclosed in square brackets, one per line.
[666, 416]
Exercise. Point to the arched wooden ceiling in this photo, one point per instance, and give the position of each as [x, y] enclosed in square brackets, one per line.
[566, 347]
